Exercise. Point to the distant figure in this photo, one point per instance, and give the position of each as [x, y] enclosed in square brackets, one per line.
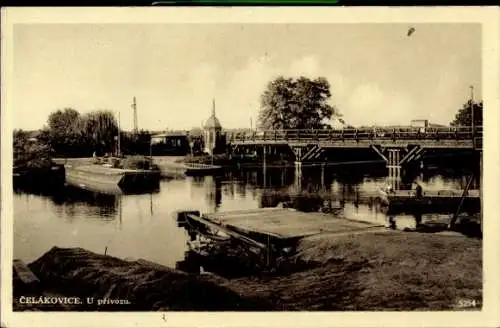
[418, 191]
[391, 223]
[94, 155]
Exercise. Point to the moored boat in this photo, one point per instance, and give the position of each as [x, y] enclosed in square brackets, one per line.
[52, 176]
[173, 169]
[430, 200]
[103, 178]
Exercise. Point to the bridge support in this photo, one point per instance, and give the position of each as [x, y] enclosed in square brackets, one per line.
[298, 176]
[394, 166]
[264, 166]
[396, 159]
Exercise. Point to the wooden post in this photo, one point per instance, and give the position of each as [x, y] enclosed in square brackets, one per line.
[322, 174]
[481, 214]
[298, 175]
[264, 169]
[472, 116]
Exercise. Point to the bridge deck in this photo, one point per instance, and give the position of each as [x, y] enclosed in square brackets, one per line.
[361, 143]
[445, 137]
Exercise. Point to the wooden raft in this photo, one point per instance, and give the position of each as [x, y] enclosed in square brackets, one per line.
[281, 223]
[443, 194]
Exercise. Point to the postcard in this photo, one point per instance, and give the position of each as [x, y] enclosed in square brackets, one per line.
[250, 166]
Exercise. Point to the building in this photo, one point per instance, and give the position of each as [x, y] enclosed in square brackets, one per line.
[212, 134]
[170, 143]
[420, 123]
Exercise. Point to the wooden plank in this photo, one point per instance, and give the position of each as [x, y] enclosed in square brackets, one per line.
[229, 232]
[24, 273]
[286, 223]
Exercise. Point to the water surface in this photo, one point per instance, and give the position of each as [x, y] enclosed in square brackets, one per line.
[143, 226]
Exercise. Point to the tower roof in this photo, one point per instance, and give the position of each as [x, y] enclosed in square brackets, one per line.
[212, 122]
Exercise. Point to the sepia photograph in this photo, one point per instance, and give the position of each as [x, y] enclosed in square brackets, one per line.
[246, 166]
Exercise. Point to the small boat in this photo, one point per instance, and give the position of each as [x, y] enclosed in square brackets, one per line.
[188, 169]
[102, 178]
[431, 200]
[46, 177]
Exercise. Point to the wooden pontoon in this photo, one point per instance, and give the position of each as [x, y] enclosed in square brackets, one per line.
[173, 169]
[432, 200]
[271, 232]
[101, 179]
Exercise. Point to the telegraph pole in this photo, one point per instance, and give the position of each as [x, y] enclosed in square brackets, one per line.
[134, 107]
[472, 115]
[118, 151]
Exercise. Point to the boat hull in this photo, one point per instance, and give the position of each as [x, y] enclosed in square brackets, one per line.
[445, 201]
[110, 180]
[174, 170]
[39, 178]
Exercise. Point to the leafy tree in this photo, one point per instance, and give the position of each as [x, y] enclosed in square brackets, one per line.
[300, 103]
[63, 122]
[464, 114]
[100, 127]
[63, 133]
[28, 153]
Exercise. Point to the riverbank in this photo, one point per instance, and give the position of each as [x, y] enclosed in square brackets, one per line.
[376, 271]
[228, 161]
[384, 270]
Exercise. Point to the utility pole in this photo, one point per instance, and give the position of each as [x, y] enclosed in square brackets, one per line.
[134, 107]
[472, 115]
[118, 151]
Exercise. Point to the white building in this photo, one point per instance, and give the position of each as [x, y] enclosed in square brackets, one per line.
[212, 131]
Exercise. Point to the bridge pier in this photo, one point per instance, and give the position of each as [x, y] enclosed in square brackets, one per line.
[298, 175]
[264, 166]
[322, 175]
[394, 166]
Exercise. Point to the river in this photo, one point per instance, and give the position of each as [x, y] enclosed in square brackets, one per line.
[143, 226]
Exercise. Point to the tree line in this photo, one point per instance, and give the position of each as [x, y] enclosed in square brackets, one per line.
[286, 103]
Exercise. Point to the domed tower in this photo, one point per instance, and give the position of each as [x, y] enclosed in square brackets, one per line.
[212, 133]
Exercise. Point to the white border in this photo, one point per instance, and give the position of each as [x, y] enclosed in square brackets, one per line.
[487, 16]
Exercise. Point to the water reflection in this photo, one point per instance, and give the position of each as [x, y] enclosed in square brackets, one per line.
[142, 226]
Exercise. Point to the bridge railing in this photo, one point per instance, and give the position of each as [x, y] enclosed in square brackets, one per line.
[405, 133]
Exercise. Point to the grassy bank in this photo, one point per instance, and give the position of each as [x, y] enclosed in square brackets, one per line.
[379, 271]
[137, 286]
[373, 271]
[226, 160]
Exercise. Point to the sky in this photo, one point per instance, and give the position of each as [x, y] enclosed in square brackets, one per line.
[378, 75]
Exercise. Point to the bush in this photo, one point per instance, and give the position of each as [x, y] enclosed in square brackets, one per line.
[222, 160]
[30, 154]
[134, 163]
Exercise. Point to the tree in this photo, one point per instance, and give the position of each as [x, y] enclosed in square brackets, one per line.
[100, 127]
[30, 153]
[63, 122]
[301, 103]
[63, 132]
[464, 114]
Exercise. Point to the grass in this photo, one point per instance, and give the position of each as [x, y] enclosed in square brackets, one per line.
[375, 271]
[81, 273]
[379, 271]
[225, 160]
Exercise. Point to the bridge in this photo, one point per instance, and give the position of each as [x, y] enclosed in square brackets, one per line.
[396, 146]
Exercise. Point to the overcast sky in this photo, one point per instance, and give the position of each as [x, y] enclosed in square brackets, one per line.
[377, 73]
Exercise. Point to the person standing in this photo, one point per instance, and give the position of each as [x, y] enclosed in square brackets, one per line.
[419, 191]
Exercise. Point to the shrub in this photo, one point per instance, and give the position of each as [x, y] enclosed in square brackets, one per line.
[134, 163]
